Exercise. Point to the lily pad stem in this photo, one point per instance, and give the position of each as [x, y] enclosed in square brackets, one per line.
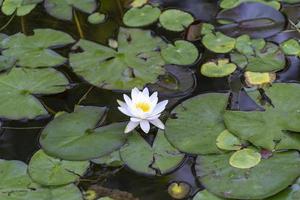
[120, 8]
[85, 95]
[23, 25]
[77, 22]
[8, 22]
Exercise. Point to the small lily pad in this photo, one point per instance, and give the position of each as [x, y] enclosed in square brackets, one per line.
[36, 50]
[182, 53]
[96, 18]
[138, 3]
[179, 190]
[143, 16]
[228, 141]
[218, 42]
[245, 158]
[21, 7]
[205, 195]
[245, 45]
[80, 131]
[258, 79]
[175, 20]
[291, 47]
[220, 69]
[63, 9]
[49, 171]
[158, 159]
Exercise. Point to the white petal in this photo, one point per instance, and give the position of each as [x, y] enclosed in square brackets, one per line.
[125, 111]
[153, 117]
[135, 119]
[157, 123]
[130, 126]
[160, 107]
[134, 93]
[127, 100]
[121, 103]
[153, 99]
[146, 92]
[145, 126]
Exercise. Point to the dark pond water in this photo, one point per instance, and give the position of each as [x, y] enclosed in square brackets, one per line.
[19, 139]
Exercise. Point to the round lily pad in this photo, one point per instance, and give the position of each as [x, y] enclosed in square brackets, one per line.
[197, 136]
[179, 190]
[245, 158]
[220, 69]
[268, 129]
[136, 62]
[36, 50]
[259, 79]
[181, 53]
[142, 16]
[291, 47]
[49, 171]
[218, 42]
[79, 131]
[205, 195]
[62, 9]
[227, 141]
[18, 87]
[158, 159]
[227, 4]
[175, 20]
[21, 7]
[267, 178]
[96, 18]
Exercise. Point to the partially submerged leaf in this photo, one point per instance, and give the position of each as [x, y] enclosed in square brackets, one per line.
[138, 3]
[175, 20]
[96, 18]
[291, 47]
[137, 17]
[220, 68]
[218, 42]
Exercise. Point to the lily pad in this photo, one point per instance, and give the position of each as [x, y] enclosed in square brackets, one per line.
[268, 128]
[175, 20]
[218, 42]
[181, 53]
[227, 4]
[291, 193]
[158, 159]
[254, 19]
[246, 46]
[79, 131]
[96, 18]
[136, 62]
[197, 136]
[291, 47]
[49, 171]
[245, 158]
[6, 63]
[220, 69]
[258, 79]
[227, 141]
[138, 3]
[205, 195]
[21, 7]
[267, 178]
[179, 190]
[268, 59]
[18, 87]
[63, 9]
[36, 50]
[143, 16]
[112, 159]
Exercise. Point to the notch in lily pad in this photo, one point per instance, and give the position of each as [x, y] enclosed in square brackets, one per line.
[175, 20]
[219, 68]
[181, 53]
[143, 16]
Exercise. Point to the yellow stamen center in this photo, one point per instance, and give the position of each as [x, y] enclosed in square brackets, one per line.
[145, 107]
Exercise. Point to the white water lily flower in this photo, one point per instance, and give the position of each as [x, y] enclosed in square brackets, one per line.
[142, 109]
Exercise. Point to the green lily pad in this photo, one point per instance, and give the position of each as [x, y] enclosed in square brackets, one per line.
[143, 16]
[227, 141]
[35, 51]
[220, 69]
[63, 9]
[291, 193]
[245, 158]
[6, 63]
[136, 62]
[21, 7]
[218, 42]
[79, 131]
[112, 159]
[206, 28]
[245, 45]
[227, 4]
[291, 47]
[138, 3]
[197, 136]
[96, 18]
[49, 171]
[268, 59]
[179, 190]
[175, 20]
[158, 159]
[18, 87]
[205, 195]
[181, 53]
[259, 79]
[267, 178]
[268, 128]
